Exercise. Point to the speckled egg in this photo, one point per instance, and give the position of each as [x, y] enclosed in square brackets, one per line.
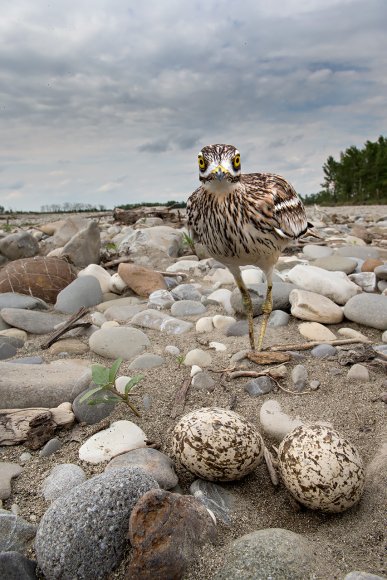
[321, 470]
[217, 444]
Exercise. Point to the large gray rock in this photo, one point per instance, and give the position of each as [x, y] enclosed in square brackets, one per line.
[33, 321]
[272, 553]
[85, 246]
[15, 532]
[281, 291]
[69, 228]
[48, 385]
[368, 309]
[20, 245]
[84, 291]
[152, 247]
[84, 534]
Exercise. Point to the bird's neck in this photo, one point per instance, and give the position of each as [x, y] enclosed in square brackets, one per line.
[221, 189]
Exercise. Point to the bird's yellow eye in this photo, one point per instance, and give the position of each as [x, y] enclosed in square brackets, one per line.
[202, 163]
[237, 162]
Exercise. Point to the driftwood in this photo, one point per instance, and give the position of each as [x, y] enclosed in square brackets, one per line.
[267, 357]
[181, 394]
[312, 344]
[69, 325]
[33, 426]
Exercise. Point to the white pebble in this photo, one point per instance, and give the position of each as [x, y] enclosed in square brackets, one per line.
[195, 370]
[351, 333]
[121, 383]
[117, 284]
[222, 322]
[97, 318]
[358, 373]
[276, 423]
[110, 324]
[120, 437]
[204, 324]
[199, 357]
[218, 346]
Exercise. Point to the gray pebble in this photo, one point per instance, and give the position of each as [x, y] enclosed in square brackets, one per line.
[153, 462]
[203, 382]
[260, 386]
[147, 361]
[83, 291]
[187, 308]
[299, 377]
[186, 292]
[50, 447]
[278, 318]
[61, 479]
[323, 350]
[239, 328]
[7, 350]
[91, 414]
[363, 576]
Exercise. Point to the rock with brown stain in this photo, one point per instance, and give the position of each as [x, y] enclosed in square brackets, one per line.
[166, 530]
[143, 281]
[41, 277]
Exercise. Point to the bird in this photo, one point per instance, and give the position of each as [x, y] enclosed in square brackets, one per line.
[244, 219]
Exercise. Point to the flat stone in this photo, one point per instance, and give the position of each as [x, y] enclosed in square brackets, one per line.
[84, 534]
[47, 385]
[333, 285]
[281, 292]
[166, 531]
[143, 281]
[153, 462]
[259, 386]
[117, 301]
[370, 264]
[147, 361]
[203, 382]
[314, 307]
[198, 357]
[161, 321]
[15, 532]
[358, 373]
[187, 265]
[91, 414]
[299, 377]
[61, 479]
[15, 300]
[187, 308]
[270, 553]
[352, 333]
[70, 346]
[315, 331]
[121, 341]
[120, 437]
[15, 566]
[313, 252]
[19, 245]
[186, 292]
[381, 272]
[323, 351]
[160, 299]
[84, 291]
[336, 263]
[31, 360]
[368, 309]
[356, 575]
[7, 472]
[7, 350]
[33, 321]
[278, 318]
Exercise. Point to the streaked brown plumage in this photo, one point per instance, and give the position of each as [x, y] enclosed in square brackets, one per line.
[243, 219]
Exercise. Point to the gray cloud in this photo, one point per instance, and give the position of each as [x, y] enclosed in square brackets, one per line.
[105, 89]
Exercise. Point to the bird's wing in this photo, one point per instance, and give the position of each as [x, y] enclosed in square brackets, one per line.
[276, 204]
[192, 209]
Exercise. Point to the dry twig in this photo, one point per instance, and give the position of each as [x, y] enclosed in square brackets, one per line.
[69, 325]
[312, 344]
[180, 397]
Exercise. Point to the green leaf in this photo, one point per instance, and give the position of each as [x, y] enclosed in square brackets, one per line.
[90, 393]
[100, 375]
[114, 369]
[132, 383]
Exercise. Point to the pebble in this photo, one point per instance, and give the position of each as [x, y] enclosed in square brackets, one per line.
[381, 272]
[84, 534]
[198, 357]
[166, 544]
[91, 414]
[203, 382]
[218, 346]
[172, 350]
[153, 462]
[336, 263]
[323, 351]
[221, 276]
[195, 370]
[356, 575]
[15, 532]
[269, 553]
[252, 276]
[362, 252]
[33, 321]
[315, 331]
[314, 307]
[352, 333]
[222, 322]
[126, 301]
[183, 266]
[384, 336]
[70, 346]
[25, 457]
[299, 377]
[147, 361]
[359, 373]
[97, 318]
[214, 497]
[99, 274]
[15, 566]
[222, 297]
[7, 350]
[50, 447]
[7, 472]
[161, 321]
[365, 280]
[312, 251]
[186, 292]
[84, 246]
[314, 385]
[15, 300]
[123, 314]
[61, 479]
[238, 328]
[204, 324]
[259, 386]
[120, 437]
[123, 341]
[84, 291]
[370, 264]
[278, 318]
[187, 308]
[368, 309]
[274, 422]
[160, 299]
[141, 280]
[333, 285]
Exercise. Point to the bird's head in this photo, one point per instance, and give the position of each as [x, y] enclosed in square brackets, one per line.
[219, 167]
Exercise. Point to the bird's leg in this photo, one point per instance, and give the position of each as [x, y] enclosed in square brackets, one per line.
[248, 305]
[266, 309]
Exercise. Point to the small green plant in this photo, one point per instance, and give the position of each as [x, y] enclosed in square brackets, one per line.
[180, 359]
[188, 241]
[111, 246]
[6, 228]
[104, 379]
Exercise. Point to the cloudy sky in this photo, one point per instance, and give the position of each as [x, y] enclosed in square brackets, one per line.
[109, 101]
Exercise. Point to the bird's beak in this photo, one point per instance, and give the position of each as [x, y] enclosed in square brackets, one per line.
[220, 172]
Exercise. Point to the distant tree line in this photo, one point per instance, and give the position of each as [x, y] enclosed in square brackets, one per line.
[70, 207]
[174, 204]
[360, 177]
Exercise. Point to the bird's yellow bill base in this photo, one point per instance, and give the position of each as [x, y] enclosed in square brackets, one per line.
[267, 357]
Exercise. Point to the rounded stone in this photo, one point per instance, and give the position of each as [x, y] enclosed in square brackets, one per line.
[199, 357]
[124, 342]
[91, 413]
[187, 308]
[120, 437]
[84, 291]
[336, 263]
[153, 462]
[323, 350]
[61, 479]
[367, 309]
